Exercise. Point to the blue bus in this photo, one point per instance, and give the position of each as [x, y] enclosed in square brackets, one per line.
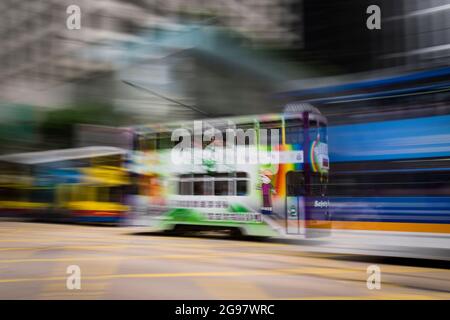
[389, 145]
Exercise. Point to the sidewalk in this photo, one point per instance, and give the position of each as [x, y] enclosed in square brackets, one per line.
[432, 246]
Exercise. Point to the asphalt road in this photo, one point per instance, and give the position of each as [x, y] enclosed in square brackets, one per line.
[129, 263]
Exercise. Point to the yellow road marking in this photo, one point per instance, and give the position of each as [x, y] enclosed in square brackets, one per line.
[393, 270]
[44, 242]
[167, 256]
[280, 272]
[81, 247]
[130, 241]
[73, 293]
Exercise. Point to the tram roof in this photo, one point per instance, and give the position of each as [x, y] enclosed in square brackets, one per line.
[238, 120]
[40, 157]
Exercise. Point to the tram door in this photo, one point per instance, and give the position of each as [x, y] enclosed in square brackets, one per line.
[295, 202]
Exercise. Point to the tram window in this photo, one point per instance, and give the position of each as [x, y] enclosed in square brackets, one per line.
[12, 194]
[148, 143]
[5, 194]
[114, 160]
[196, 139]
[101, 194]
[63, 193]
[85, 193]
[92, 193]
[293, 129]
[271, 137]
[44, 195]
[198, 188]
[242, 175]
[273, 131]
[294, 135]
[208, 186]
[219, 184]
[295, 184]
[414, 183]
[249, 132]
[152, 144]
[313, 131]
[185, 186]
[165, 141]
[208, 140]
[225, 183]
[241, 187]
[270, 124]
[223, 187]
[180, 139]
[115, 194]
[323, 133]
[132, 189]
[241, 183]
[203, 187]
[74, 194]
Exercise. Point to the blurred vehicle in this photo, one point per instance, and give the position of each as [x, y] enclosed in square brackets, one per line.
[392, 175]
[389, 145]
[75, 185]
[19, 197]
[284, 196]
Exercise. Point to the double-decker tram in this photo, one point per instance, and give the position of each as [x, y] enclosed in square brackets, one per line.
[75, 185]
[260, 175]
